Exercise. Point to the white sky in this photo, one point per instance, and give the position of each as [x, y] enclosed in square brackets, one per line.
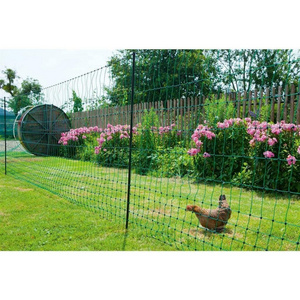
[52, 66]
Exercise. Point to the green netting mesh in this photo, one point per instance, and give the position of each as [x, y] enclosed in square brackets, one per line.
[215, 146]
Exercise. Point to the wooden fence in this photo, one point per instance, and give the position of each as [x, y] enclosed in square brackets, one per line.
[186, 113]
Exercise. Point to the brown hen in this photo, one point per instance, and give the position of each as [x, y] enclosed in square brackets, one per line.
[213, 219]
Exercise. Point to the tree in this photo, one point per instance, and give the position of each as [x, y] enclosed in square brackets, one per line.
[276, 67]
[31, 86]
[161, 75]
[8, 83]
[18, 102]
[77, 102]
[245, 69]
[28, 94]
[168, 74]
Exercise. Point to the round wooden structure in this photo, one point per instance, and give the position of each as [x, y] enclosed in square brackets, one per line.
[39, 129]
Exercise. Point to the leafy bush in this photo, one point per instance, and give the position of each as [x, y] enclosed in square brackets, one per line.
[107, 147]
[115, 152]
[218, 110]
[253, 154]
[269, 164]
[227, 152]
[146, 142]
[172, 162]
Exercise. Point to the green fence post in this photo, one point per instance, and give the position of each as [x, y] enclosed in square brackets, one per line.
[130, 141]
[5, 146]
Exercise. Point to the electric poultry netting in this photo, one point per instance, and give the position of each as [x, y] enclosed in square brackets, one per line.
[215, 146]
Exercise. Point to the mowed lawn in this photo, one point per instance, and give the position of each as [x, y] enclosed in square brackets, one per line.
[94, 216]
[35, 219]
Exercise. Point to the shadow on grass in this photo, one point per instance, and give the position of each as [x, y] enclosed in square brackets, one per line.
[201, 232]
[125, 240]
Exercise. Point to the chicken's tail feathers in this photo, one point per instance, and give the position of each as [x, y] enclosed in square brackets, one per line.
[223, 202]
[222, 197]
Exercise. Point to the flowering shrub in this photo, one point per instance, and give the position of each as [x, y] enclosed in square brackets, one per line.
[77, 134]
[218, 150]
[273, 147]
[169, 136]
[245, 152]
[74, 140]
[263, 150]
[108, 146]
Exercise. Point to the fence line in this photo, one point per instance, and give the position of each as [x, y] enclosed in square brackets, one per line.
[170, 178]
[282, 106]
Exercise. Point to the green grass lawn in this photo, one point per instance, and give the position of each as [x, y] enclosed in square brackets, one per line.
[34, 219]
[94, 216]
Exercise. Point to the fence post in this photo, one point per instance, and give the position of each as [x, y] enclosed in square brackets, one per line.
[130, 141]
[5, 146]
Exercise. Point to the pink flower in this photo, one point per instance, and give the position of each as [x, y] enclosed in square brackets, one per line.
[101, 140]
[84, 137]
[221, 125]
[268, 154]
[272, 141]
[109, 138]
[193, 151]
[210, 135]
[134, 130]
[263, 137]
[230, 121]
[263, 126]
[276, 128]
[289, 127]
[252, 143]
[291, 160]
[198, 144]
[195, 138]
[205, 155]
[251, 131]
[298, 150]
